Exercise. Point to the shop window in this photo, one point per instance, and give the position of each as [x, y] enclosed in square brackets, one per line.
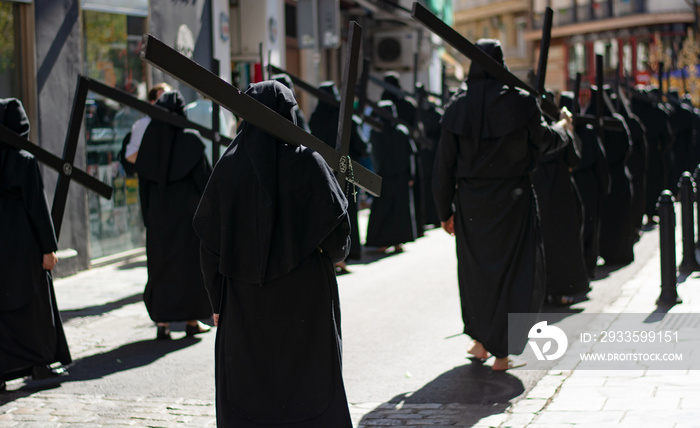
[111, 51]
[607, 48]
[643, 57]
[627, 59]
[577, 59]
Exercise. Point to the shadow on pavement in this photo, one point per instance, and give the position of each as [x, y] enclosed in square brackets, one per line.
[100, 309]
[126, 357]
[466, 393]
[132, 265]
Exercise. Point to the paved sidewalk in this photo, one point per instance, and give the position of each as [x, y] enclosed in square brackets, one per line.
[621, 398]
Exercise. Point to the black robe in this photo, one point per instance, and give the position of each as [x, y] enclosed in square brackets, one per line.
[273, 221]
[637, 162]
[491, 136]
[592, 178]
[173, 172]
[431, 117]
[617, 232]
[31, 331]
[392, 219]
[324, 125]
[561, 221]
[659, 139]
[683, 123]
[406, 110]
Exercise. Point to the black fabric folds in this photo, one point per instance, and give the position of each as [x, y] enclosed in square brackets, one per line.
[31, 331]
[270, 190]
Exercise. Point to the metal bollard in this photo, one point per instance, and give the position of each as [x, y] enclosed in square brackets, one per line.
[696, 177]
[686, 187]
[667, 243]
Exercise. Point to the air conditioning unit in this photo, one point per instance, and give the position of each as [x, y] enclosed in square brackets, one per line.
[394, 50]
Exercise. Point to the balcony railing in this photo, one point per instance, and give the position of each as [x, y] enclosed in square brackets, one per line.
[592, 11]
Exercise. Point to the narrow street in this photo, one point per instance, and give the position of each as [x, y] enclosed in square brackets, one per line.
[404, 357]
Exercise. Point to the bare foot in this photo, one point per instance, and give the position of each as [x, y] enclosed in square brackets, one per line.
[478, 351]
[505, 363]
[501, 364]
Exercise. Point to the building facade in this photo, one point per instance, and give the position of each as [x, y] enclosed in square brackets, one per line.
[632, 35]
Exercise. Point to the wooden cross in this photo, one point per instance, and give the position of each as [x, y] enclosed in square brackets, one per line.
[413, 128]
[218, 90]
[347, 98]
[544, 51]
[64, 165]
[322, 96]
[468, 49]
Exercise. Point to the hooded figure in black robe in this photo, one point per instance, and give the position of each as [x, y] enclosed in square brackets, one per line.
[300, 118]
[491, 137]
[324, 126]
[617, 232]
[406, 110]
[173, 172]
[659, 139]
[592, 178]
[392, 219]
[684, 150]
[273, 221]
[31, 332]
[637, 162]
[431, 115]
[561, 221]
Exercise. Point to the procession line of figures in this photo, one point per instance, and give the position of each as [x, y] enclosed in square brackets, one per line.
[253, 243]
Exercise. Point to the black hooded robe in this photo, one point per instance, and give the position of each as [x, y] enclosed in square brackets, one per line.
[592, 178]
[173, 172]
[392, 218]
[637, 162]
[617, 231]
[561, 221]
[432, 115]
[273, 221]
[406, 110]
[491, 135]
[31, 331]
[324, 126]
[659, 140]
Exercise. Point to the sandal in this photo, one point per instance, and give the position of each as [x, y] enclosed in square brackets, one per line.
[560, 300]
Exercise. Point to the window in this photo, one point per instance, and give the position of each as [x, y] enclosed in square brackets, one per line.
[577, 59]
[111, 44]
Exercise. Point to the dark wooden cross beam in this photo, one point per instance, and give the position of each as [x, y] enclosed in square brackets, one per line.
[413, 128]
[471, 51]
[604, 122]
[400, 92]
[445, 90]
[215, 120]
[218, 90]
[577, 92]
[154, 111]
[544, 51]
[322, 96]
[347, 98]
[661, 79]
[65, 165]
[599, 96]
